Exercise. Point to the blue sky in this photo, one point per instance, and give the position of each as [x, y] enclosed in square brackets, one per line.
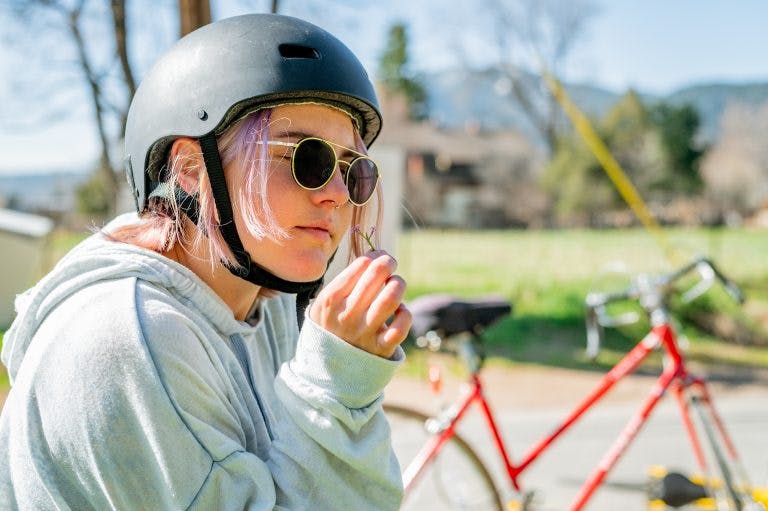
[659, 45]
[655, 46]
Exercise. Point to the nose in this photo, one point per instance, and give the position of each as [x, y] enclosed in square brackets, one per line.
[335, 192]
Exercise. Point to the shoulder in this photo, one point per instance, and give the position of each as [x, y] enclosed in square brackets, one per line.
[89, 353]
[129, 349]
[94, 405]
[119, 326]
[115, 315]
[95, 318]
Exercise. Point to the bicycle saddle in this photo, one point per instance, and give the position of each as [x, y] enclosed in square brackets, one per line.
[450, 315]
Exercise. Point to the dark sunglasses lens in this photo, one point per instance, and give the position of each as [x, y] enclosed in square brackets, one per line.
[313, 163]
[361, 180]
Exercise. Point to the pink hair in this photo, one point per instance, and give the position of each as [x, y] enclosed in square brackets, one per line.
[360, 215]
[159, 228]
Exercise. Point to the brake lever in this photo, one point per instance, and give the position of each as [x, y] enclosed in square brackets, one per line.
[707, 273]
[594, 332]
[735, 291]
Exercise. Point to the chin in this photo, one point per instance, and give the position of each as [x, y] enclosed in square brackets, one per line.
[306, 269]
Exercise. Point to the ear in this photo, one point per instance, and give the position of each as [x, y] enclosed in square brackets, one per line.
[188, 153]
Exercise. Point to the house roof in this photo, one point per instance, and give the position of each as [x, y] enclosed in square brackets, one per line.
[24, 224]
[456, 144]
[470, 144]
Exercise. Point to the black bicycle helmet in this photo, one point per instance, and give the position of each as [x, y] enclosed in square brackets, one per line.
[222, 71]
[219, 73]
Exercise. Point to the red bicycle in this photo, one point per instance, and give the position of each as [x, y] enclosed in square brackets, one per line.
[439, 466]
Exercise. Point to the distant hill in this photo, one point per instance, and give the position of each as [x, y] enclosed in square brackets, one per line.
[711, 101]
[53, 191]
[482, 98]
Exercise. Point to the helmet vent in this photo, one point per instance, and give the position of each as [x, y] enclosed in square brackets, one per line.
[297, 51]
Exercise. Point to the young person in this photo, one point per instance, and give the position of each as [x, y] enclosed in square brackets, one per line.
[167, 362]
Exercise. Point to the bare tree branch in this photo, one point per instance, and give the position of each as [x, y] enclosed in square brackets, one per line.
[75, 27]
[537, 35]
[94, 84]
[121, 45]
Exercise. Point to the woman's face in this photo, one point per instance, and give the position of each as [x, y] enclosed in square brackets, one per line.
[314, 223]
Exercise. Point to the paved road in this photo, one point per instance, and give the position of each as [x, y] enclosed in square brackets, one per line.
[559, 472]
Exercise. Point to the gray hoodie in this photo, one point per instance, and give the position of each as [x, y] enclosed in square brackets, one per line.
[134, 387]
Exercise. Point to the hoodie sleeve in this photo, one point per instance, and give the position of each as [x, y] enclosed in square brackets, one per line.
[329, 444]
[337, 433]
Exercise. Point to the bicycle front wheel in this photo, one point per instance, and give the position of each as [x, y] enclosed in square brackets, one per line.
[455, 480]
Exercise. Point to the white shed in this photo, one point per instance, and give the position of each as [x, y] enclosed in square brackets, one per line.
[23, 239]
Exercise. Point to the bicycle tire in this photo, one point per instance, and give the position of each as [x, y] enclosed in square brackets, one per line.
[456, 480]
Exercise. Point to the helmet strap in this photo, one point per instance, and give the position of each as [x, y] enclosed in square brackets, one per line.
[248, 270]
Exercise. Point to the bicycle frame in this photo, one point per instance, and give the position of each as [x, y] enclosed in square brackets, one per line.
[674, 376]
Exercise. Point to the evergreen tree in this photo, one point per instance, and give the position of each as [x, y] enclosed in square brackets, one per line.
[396, 76]
[678, 127]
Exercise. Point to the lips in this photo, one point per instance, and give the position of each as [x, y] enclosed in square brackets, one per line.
[319, 230]
[323, 226]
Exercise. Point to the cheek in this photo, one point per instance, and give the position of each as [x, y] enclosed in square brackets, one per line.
[277, 187]
[280, 191]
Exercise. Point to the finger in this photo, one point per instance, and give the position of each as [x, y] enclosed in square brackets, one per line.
[343, 283]
[394, 334]
[386, 302]
[347, 278]
[371, 281]
[332, 298]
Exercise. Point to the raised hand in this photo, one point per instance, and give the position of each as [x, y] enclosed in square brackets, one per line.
[357, 304]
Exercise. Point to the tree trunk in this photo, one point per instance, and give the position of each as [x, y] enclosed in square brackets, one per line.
[121, 46]
[193, 14]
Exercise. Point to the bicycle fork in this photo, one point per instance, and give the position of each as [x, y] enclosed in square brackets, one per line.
[679, 380]
[717, 437]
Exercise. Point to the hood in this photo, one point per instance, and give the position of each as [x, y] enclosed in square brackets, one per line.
[98, 259]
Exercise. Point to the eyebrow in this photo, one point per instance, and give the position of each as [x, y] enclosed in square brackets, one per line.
[344, 152]
[293, 134]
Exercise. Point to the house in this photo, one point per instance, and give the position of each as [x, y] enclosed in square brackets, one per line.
[466, 178]
[23, 238]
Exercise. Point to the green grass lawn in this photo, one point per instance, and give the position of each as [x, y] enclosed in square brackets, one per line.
[547, 274]
[4, 385]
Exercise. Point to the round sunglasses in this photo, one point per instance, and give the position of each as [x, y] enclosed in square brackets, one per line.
[314, 160]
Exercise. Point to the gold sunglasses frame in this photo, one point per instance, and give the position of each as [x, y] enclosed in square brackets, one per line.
[337, 162]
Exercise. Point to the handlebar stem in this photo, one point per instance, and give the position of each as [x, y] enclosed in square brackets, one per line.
[659, 316]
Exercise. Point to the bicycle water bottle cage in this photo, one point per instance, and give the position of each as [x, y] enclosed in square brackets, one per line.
[450, 315]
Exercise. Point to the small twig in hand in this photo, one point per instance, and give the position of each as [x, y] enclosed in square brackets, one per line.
[367, 236]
